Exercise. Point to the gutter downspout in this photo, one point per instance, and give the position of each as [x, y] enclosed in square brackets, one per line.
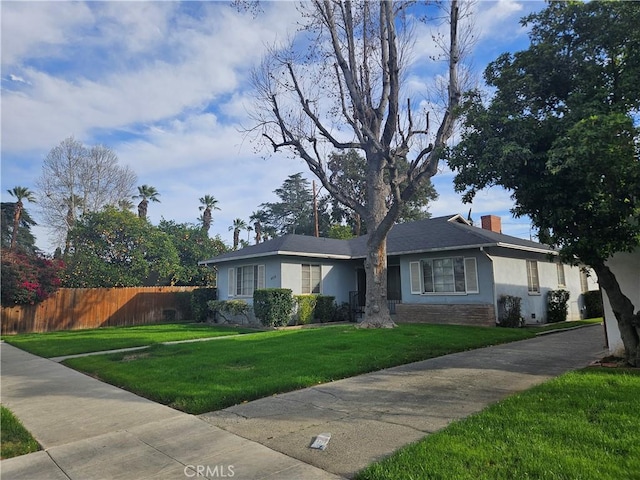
[493, 283]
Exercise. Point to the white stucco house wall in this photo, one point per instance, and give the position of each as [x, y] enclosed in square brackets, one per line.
[626, 268]
[439, 270]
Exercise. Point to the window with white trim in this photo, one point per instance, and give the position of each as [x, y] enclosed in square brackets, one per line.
[561, 278]
[533, 282]
[311, 278]
[584, 281]
[245, 280]
[444, 275]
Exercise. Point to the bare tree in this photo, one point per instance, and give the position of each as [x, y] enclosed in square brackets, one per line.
[344, 92]
[76, 180]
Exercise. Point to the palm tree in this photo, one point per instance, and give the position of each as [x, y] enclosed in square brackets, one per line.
[238, 225]
[125, 204]
[256, 218]
[19, 193]
[208, 203]
[146, 193]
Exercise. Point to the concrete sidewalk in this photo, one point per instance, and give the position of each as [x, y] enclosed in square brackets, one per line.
[91, 430]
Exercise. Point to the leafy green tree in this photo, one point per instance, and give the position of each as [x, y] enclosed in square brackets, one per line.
[341, 232]
[208, 203]
[193, 245]
[20, 194]
[348, 172]
[114, 248]
[25, 241]
[294, 212]
[146, 193]
[561, 134]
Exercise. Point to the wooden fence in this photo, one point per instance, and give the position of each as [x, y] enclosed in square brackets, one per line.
[78, 308]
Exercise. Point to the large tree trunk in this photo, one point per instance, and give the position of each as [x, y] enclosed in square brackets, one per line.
[142, 209]
[376, 306]
[377, 313]
[206, 220]
[17, 213]
[624, 311]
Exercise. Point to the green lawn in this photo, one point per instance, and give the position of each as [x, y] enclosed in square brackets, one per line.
[564, 325]
[205, 376]
[582, 425]
[15, 440]
[71, 342]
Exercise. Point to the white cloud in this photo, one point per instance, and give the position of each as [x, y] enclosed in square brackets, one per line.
[166, 84]
[39, 30]
[16, 78]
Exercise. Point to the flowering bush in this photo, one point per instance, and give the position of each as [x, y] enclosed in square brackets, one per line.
[28, 279]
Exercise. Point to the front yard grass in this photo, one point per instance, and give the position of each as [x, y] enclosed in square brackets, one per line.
[15, 439]
[205, 376]
[565, 325]
[582, 425]
[71, 342]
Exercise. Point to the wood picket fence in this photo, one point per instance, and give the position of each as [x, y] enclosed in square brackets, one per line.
[80, 308]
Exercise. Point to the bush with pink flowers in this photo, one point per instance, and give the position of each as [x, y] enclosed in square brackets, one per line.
[28, 279]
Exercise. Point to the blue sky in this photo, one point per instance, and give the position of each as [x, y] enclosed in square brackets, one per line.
[166, 86]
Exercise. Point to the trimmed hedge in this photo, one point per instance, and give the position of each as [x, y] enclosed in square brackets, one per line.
[593, 304]
[305, 308]
[510, 313]
[273, 306]
[557, 306]
[199, 300]
[325, 308]
[223, 308]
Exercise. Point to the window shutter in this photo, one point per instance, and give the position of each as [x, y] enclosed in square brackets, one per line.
[232, 282]
[261, 277]
[414, 269]
[471, 275]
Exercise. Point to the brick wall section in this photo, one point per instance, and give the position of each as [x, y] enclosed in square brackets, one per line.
[481, 315]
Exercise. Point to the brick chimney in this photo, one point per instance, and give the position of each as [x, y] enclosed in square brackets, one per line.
[492, 222]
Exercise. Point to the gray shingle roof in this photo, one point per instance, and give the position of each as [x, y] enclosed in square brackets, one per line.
[434, 234]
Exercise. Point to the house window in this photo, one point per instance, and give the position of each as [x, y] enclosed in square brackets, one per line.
[560, 270]
[444, 275]
[533, 283]
[245, 280]
[311, 278]
[584, 281]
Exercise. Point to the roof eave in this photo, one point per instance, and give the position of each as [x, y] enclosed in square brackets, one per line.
[331, 256]
[473, 247]
[285, 253]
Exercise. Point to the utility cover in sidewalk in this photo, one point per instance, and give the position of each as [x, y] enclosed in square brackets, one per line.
[321, 441]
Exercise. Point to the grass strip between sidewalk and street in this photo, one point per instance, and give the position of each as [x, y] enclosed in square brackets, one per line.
[582, 425]
[16, 440]
[72, 342]
[206, 376]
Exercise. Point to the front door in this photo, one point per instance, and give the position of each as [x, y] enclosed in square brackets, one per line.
[394, 290]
